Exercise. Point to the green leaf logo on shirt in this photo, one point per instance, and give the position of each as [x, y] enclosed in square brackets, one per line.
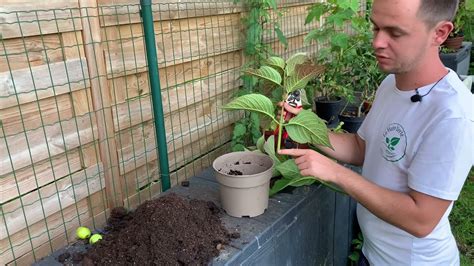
[392, 142]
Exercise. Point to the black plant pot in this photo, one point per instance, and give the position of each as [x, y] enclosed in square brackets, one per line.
[351, 123]
[328, 109]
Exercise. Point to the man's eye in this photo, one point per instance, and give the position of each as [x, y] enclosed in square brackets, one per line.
[395, 34]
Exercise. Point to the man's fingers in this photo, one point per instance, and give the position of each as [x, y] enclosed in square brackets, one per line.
[291, 109]
[293, 152]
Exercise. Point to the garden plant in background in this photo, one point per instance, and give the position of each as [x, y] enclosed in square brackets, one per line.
[456, 37]
[306, 127]
[261, 19]
[351, 68]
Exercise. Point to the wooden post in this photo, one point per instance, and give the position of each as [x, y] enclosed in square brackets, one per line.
[101, 100]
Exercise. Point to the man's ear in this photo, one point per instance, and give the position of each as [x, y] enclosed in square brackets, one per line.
[442, 31]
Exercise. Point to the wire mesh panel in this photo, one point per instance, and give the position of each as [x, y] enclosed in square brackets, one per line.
[52, 176]
[77, 130]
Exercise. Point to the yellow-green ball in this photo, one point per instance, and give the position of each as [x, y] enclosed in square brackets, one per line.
[83, 232]
[95, 238]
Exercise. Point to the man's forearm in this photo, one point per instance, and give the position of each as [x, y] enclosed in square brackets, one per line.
[415, 213]
[347, 148]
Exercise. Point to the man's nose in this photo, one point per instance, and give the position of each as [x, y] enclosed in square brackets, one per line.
[380, 40]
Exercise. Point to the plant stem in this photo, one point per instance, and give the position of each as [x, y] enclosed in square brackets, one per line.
[280, 124]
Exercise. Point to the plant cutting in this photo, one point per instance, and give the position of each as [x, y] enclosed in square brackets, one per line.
[304, 128]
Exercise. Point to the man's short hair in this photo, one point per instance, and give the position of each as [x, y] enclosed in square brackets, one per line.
[434, 11]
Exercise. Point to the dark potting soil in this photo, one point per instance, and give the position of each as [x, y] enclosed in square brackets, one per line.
[235, 172]
[169, 230]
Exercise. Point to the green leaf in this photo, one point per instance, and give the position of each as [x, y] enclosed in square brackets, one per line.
[267, 73]
[299, 81]
[293, 61]
[354, 256]
[238, 147]
[239, 130]
[315, 12]
[387, 140]
[281, 37]
[291, 177]
[340, 40]
[349, 4]
[275, 62]
[254, 103]
[304, 98]
[261, 143]
[307, 127]
[339, 18]
[254, 127]
[289, 169]
[394, 141]
[316, 34]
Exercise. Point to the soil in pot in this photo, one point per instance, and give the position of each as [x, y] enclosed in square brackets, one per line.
[169, 230]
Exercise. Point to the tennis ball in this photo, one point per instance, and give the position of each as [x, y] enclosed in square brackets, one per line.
[95, 238]
[83, 232]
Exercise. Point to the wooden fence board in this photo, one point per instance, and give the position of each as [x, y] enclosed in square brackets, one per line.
[30, 178]
[191, 169]
[196, 38]
[22, 150]
[42, 231]
[42, 82]
[33, 115]
[131, 86]
[139, 110]
[72, 45]
[21, 20]
[32, 51]
[137, 155]
[35, 206]
[57, 238]
[179, 121]
[101, 98]
[119, 12]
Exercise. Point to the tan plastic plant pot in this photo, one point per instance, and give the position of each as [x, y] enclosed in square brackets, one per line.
[245, 194]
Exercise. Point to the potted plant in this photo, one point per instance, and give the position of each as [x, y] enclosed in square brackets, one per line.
[364, 74]
[306, 127]
[455, 53]
[340, 18]
[456, 37]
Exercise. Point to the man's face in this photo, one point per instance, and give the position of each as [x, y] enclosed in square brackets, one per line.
[401, 40]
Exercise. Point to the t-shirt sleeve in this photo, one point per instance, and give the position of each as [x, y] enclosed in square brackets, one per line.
[443, 159]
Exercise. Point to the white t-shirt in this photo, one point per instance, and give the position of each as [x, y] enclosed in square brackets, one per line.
[427, 146]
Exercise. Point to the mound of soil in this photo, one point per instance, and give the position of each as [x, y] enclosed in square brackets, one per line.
[167, 231]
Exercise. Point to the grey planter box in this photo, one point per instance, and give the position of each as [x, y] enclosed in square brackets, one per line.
[458, 61]
[310, 225]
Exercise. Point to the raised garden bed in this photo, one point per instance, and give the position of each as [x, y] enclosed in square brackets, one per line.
[305, 226]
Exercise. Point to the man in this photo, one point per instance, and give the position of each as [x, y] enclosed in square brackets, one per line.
[416, 144]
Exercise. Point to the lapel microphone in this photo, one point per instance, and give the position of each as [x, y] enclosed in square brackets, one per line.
[417, 97]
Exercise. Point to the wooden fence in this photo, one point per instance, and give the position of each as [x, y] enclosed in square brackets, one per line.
[76, 123]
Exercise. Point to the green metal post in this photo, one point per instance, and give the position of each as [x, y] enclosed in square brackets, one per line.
[154, 76]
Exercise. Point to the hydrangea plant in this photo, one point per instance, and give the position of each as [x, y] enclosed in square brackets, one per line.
[304, 128]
